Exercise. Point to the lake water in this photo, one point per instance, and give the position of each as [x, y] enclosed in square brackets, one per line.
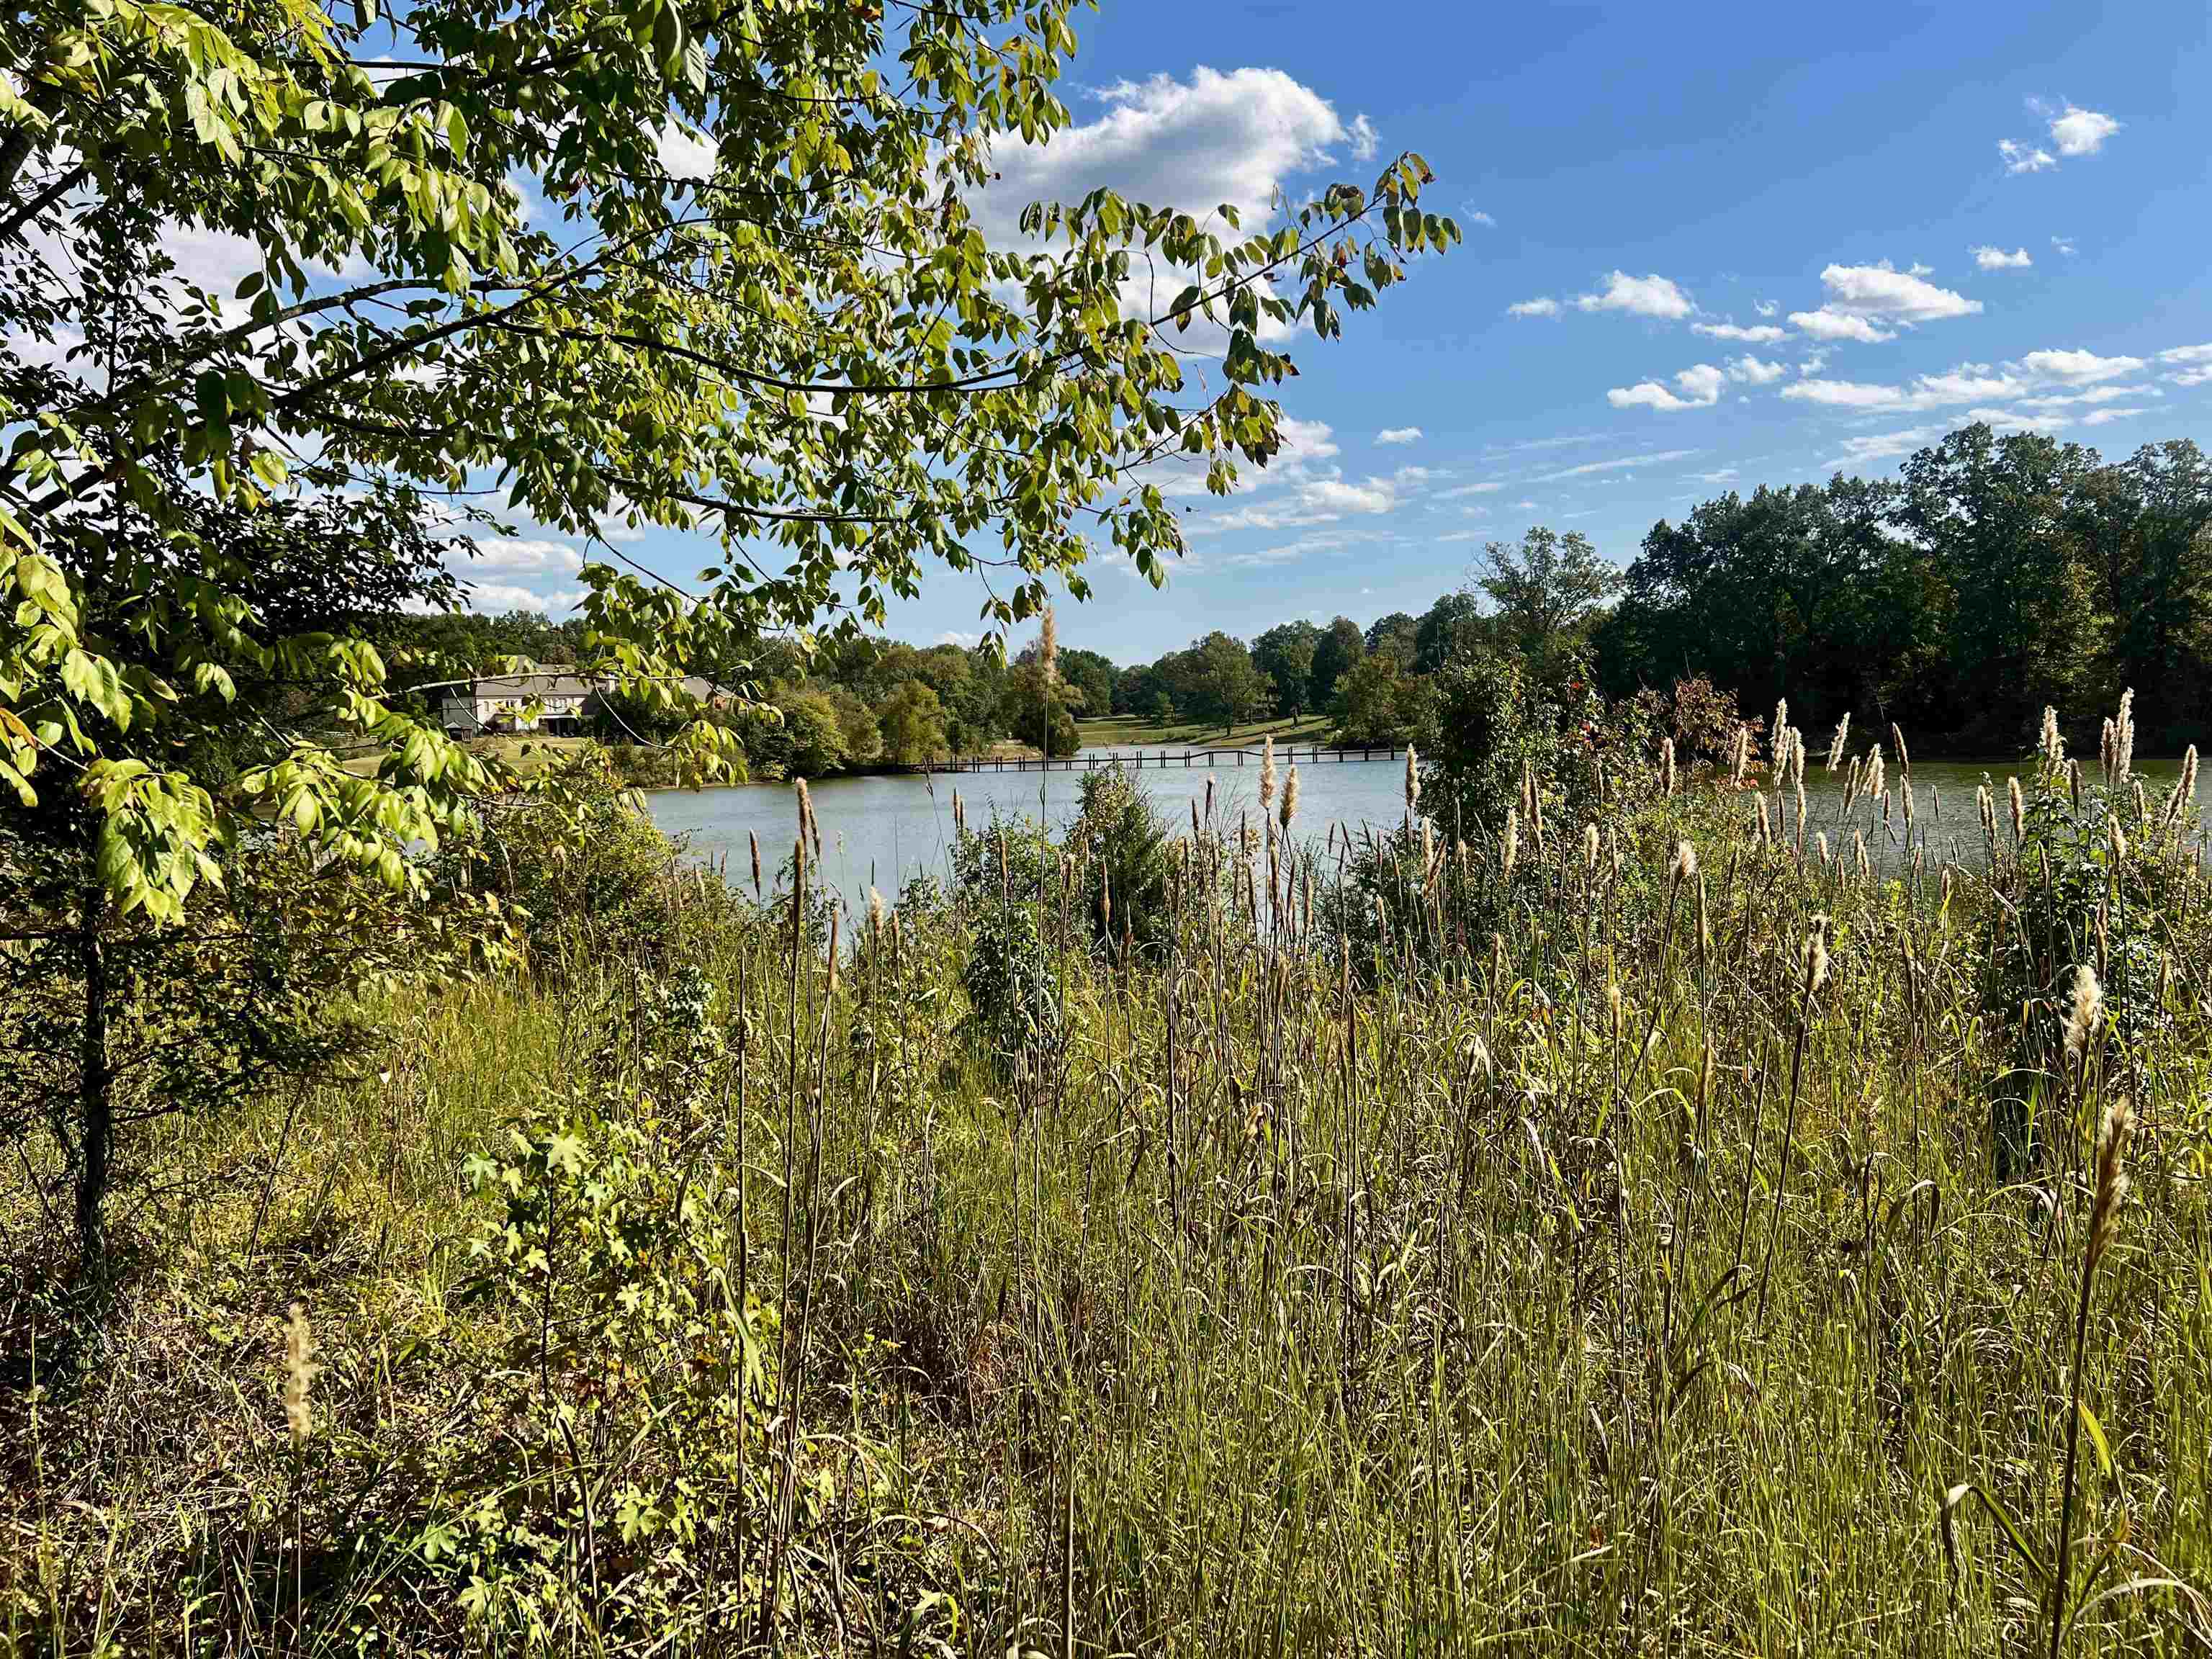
[882, 831]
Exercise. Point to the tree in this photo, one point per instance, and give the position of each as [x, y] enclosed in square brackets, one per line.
[912, 722]
[1091, 675]
[1397, 634]
[2027, 626]
[802, 345]
[1379, 703]
[1285, 654]
[1546, 590]
[1336, 652]
[1219, 685]
[1453, 623]
[1028, 708]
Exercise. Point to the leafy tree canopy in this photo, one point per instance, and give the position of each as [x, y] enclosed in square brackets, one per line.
[808, 349]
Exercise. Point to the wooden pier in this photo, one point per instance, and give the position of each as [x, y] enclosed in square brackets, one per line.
[1160, 760]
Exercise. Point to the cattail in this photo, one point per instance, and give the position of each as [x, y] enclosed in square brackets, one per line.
[959, 814]
[1290, 797]
[1667, 766]
[1193, 819]
[1836, 747]
[1511, 852]
[1589, 849]
[2051, 747]
[2112, 1137]
[2019, 806]
[1267, 772]
[755, 841]
[2085, 1014]
[875, 912]
[1816, 956]
[1049, 646]
[2185, 790]
[808, 825]
[299, 1373]
[836, 916]
[1412, 780]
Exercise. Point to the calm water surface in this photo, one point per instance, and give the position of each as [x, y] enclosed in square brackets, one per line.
[882, 831]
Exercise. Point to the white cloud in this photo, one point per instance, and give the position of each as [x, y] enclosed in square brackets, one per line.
[2082, 131]
[2196, 364]
[1814, 362]
[1763, 334]
[1880, 447]
[1477, 216]
[491, 598]
[1192, 145]
[2024, 158]
[1701, 386]
[1336, 496]
[1718, 476]
[526, 554]
[1764, 308]
[1750, 370]
[1902, 296]
[1462, 491]
[2079, 368]
[2064, 245]
[1287, 553]
[1366, 140]
[1643, 296]
[1844, 394]
[1827, 323]
[1546, 306]
[683, 154]
[2106, 417]
[2190, 376]
[2196, 353]
[1996, 259]
[1398, 434]
[1658, 458]
[965, 642]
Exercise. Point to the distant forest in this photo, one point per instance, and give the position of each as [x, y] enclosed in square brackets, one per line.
[1998, 574]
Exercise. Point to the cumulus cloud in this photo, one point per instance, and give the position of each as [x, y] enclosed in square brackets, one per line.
[1844, 394]
[2024, 158]
[1748, 369]
[2080, 131]
[2079, 368]
[1828, 324]
[1643, 296]
[1543, 307]
[1398, 434]
[1700, 388]
[684, 154]
[1760, 334]
[2193, 364]
[491, 598]
[1477, 216]
[1366, 140]
[2064, 245]
[525, 554]
[1996, 259]
[1903, 296]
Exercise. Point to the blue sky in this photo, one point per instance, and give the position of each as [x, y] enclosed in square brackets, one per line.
[1704, 249]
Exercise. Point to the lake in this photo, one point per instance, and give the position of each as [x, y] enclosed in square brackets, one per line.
[882, 831]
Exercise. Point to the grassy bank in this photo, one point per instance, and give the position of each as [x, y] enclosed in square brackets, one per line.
[1555, 1246]
[1127, 731]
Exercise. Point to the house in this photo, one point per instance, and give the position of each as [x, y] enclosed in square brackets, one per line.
[550, 701]
[554, 700]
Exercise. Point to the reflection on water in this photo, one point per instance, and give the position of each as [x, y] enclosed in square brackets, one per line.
[882, 831]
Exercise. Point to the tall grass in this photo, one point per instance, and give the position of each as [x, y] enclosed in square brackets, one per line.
[1635, 1253]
